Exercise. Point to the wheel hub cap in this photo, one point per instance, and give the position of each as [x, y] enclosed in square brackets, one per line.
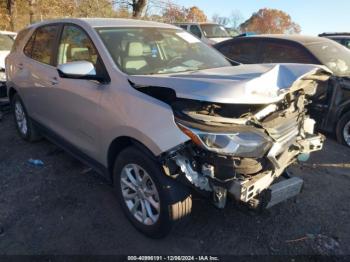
[140, 194]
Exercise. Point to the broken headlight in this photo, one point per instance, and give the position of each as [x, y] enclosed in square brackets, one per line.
[240, 142]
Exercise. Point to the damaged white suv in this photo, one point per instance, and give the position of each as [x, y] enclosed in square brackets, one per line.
[162, 114]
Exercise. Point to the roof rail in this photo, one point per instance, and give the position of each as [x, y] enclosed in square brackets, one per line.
[333, 34]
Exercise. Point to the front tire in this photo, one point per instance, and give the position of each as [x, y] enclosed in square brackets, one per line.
[24, 124]
[137, 182]
[343, 130]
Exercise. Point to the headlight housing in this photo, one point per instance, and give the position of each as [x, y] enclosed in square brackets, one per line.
[240, 142]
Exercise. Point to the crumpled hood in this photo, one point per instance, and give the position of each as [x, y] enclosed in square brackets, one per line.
[243, 84]
[3, 55]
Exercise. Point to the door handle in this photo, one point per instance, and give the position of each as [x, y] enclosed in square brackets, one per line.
[54, 81]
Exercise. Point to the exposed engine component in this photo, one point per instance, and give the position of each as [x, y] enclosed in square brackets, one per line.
[199, 180]
[241, 149]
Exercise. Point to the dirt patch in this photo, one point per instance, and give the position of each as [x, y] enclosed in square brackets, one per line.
[63, 207]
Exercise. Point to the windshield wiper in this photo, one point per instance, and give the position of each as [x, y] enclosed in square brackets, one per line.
[233, 62]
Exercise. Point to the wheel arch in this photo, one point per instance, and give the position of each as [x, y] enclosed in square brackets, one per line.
[12, 91]
[176, 190]
[345, 109]
[119, 144]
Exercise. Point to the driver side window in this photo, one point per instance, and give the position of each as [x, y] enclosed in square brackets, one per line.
[75, 45]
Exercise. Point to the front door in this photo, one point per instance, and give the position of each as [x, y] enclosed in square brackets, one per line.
[74, 103]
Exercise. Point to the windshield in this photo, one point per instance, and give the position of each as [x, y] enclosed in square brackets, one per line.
[333, 55]
[145, 51]
[6, 42]
[214, 31]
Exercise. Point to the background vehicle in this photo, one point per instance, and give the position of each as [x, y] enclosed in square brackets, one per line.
[232, 32]
[161, 113]
[6, 42]
[209, 33]
[331, 106]
[341, 38]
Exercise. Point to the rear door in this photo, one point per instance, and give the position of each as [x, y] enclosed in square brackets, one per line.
[35, 71]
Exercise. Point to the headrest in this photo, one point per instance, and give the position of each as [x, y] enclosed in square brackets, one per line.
[135, 49]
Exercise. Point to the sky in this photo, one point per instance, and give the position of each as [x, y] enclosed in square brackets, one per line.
[314, 16]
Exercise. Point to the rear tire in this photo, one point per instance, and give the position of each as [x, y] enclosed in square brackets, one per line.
[137, 179]
[24, 124]
[343, 130]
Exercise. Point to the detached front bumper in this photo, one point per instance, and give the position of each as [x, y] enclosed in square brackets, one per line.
[248, 180]
[248, 189]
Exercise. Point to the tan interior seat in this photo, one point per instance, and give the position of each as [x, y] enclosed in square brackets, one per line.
[134, 59]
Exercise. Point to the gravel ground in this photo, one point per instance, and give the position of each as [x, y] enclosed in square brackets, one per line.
[65, 208]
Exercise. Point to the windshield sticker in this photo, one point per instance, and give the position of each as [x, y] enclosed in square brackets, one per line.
[188, 37]
[154, 51]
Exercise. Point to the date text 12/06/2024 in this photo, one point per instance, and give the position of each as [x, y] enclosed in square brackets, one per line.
[173, 258]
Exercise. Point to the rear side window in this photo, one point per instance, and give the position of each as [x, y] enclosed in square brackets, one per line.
[40, 46]
[284, 52]
[184, 27]
[245, 52]
[29, 46]
[196, 31]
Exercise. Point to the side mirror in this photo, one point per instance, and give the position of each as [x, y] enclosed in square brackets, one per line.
[78, 70]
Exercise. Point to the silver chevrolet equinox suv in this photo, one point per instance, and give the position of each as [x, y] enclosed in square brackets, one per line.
[163, 115]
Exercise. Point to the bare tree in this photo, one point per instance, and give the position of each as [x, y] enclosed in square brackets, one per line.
[138, 6]
[221, 20]
[31, 4]
[10, 12]
[236, 19]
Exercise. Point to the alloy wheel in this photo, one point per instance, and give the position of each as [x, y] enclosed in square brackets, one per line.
[140, 194]
[21, 119]
[346, 133]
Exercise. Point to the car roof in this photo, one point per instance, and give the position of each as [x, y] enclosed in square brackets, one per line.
[195, 23]
[108, 22]
[335, 34]
[338, 36]
[301, 39]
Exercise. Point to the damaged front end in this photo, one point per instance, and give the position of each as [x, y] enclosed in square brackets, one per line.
[240, 150]
[245, 128]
